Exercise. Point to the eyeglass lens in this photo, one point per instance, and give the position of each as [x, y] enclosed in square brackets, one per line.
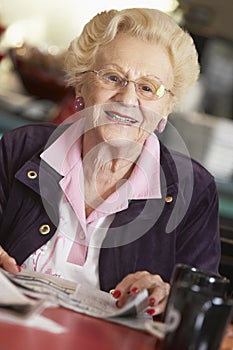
[145, 87]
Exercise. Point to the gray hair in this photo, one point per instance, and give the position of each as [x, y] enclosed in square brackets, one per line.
[150, 25]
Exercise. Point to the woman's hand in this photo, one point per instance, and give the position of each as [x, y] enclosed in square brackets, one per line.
[134, 283]
[7, 262]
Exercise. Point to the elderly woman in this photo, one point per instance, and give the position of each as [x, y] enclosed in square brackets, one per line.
[100, 199]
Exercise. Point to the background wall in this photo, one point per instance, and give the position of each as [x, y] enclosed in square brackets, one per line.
[56, 22]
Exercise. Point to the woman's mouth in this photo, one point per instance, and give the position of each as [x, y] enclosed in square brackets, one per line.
[120, 118]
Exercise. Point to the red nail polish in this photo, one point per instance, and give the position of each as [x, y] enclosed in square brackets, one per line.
[151, 301]
[18, 268]
[150, 312]
[116, 294]
[134, 290]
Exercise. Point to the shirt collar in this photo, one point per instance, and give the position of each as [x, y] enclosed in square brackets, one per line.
[145, 177]
[65, 154]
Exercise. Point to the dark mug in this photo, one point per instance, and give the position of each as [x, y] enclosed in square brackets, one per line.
[198, 310]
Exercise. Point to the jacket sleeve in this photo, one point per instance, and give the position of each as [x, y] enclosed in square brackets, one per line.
[198, 239]
[4, 178]
[12, 146]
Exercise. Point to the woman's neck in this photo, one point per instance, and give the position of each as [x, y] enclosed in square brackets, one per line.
[111, 159]
[106, 166]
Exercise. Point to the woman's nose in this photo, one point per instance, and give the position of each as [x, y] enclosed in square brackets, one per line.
[128, 94]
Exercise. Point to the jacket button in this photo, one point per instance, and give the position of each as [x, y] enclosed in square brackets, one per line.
[44, 229]
[168, 199]
[32, 174]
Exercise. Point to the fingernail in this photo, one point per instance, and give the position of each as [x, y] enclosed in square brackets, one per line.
[151, 301]
[150, 312]
[134, 290]
[18, 268]
[116, 294]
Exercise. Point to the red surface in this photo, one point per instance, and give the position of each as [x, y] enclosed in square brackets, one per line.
[84, 333]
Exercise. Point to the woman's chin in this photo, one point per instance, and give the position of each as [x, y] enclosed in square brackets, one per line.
[118, 135]
[118, 142]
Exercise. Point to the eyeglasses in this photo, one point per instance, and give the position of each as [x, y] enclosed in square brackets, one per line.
[147, 88]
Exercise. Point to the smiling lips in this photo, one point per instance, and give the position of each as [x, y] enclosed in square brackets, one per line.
[120, 118]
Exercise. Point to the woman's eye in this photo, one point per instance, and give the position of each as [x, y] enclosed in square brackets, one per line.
[146, 88]
[113, 78]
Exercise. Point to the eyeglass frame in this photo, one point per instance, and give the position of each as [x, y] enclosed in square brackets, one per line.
[127, 81]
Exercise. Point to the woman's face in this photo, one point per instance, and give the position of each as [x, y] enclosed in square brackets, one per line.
[121, 114]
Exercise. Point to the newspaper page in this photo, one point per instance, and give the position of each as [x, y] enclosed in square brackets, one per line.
[78, 297]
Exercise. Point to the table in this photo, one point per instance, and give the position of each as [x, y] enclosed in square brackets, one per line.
[83, 333]
[227, 343]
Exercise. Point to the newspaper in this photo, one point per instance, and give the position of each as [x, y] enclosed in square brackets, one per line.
[16, 290]
[14, 302]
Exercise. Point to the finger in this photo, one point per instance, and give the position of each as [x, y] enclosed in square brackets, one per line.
[160, 292]
[158, 299]
[156, 310]
[146, 281]
[125, 288]
[7, 262]
[135, 282]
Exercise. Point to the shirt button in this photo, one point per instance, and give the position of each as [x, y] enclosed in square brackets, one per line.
[168, 199]
[44, 229]
[32, 174]
[82, 235]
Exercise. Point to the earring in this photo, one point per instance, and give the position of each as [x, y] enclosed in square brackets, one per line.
[161, 125]
[79, 103]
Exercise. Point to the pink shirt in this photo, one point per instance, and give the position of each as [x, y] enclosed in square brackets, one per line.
[75, 231]
[64, 155]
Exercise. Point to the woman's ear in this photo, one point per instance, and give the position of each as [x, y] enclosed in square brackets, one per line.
[78, 90]
[166, 111]
[169, 107]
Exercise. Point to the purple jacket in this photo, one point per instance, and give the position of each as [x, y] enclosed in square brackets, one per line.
[152, 235]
